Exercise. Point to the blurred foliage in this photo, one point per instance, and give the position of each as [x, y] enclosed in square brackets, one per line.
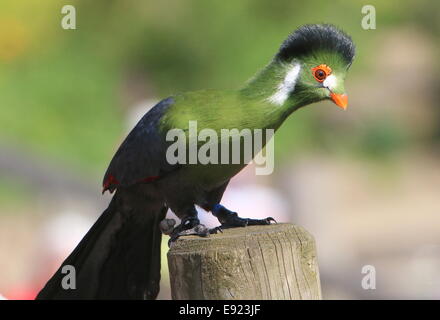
[382, 138]
[61, 90]
[65, 96]
[12, 194]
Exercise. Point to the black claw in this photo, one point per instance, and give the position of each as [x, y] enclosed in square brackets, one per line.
[270, 219]
[198, 230]
[235, 222]
[230, 219]
[216, 230]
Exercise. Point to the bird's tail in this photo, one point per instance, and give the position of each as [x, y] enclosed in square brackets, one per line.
[119, 258]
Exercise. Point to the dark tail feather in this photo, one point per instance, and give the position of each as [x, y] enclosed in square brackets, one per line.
[119, 258]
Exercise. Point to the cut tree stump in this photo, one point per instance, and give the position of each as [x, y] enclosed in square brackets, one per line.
[257, 262]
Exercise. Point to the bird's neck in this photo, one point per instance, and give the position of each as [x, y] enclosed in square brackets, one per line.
[271, 89]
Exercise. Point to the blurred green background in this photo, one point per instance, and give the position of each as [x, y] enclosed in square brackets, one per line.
[365, 182]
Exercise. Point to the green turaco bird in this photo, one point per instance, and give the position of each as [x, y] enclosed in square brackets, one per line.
[120, 256]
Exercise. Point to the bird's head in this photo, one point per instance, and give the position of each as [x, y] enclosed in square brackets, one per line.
[311, 66]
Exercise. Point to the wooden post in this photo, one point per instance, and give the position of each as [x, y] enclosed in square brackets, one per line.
[256, 262]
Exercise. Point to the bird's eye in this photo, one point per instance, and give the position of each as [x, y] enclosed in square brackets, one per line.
[320, 75]
[321, 72]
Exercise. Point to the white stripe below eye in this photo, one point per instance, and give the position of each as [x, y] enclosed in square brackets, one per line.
[330, 82]
[286, 87]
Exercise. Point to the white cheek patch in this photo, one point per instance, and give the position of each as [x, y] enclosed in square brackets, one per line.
[286, 87]
[330, 82]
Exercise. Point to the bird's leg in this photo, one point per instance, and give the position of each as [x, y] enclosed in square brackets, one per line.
[190, 225]
[230, 219]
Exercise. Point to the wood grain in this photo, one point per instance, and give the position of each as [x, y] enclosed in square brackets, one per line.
[257, 262]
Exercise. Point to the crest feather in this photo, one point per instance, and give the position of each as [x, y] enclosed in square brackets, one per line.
[316, 37]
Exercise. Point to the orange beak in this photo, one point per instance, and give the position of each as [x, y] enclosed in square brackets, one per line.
[341, 100]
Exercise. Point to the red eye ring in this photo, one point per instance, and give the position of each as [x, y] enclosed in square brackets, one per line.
[321, 72]
[320, 75]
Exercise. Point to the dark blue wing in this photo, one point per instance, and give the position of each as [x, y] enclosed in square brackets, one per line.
[142, 155]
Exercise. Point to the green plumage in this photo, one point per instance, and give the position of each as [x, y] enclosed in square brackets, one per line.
[124, 244]
[250, 107]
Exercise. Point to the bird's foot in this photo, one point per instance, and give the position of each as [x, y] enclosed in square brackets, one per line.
[189, 226]
[166, 226]
[216, 230]
[235, 221]
[230, 219]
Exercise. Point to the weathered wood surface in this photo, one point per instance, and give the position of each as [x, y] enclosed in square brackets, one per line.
[257, 262]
